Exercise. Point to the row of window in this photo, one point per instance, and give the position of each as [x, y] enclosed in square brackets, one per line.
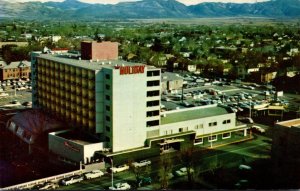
[152, 113]
[153, 93]
[215, 123]
[152, 123]
[14, 70]
[18, 74]
[153, 83]
[212, 138]
[152, 103]
[153, 73]
[211, 124]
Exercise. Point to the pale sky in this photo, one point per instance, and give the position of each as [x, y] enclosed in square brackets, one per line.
[186, 2]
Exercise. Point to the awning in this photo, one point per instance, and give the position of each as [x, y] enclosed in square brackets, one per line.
[171, 141]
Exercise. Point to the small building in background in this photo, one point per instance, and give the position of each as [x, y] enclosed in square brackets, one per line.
[171, 81]
[15, 70]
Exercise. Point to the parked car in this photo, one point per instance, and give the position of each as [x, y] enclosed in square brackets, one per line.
[119, 168]
[120, 186]
[93, 174]
[141, 163]
[183, 171]
[45, 186]
[72, 180]
[4, 94]
[170, 175]
[245, 167]
[258, 128]
[144, 181]
[247, 120]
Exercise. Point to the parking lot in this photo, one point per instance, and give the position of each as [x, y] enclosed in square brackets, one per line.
[237, 97]
[13, 94]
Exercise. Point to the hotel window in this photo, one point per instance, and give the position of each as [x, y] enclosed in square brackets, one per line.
[226, 135]
[152, 83]
[226, 121]
[198, 141]
[153, 73]
[199, 126]
[107, 128]
[212, 124]
[153, 93]
[107, 118]
[107, 87]
[152, 113]
[152, 123]
[107, 108]
[107, 97]
[107, 76]
[212, 138]
[107, 139]
[152, 103]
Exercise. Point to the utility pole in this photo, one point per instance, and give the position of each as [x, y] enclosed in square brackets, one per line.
[182, 93]
[250, 108]
[112, 172]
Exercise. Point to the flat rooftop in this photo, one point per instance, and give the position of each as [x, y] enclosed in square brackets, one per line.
[290, 123]
[190, 114]
[77, 137]
[70, 59]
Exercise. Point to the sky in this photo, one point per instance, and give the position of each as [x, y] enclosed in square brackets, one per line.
[186, 2]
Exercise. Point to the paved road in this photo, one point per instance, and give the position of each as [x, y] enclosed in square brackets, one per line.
[230, 156]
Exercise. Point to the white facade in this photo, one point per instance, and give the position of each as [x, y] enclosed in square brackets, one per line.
[202, 126]
[129, 108]
[73, 149]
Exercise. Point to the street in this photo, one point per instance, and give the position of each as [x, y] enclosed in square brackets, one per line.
[229, 156]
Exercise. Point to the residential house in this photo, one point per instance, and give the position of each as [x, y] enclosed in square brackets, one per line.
[171, 81]
[15, 70]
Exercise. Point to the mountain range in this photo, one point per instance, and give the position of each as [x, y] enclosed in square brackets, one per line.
[146, 9]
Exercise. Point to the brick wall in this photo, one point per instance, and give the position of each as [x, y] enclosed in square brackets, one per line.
[99, 50]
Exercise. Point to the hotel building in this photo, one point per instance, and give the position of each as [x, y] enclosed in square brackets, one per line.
[119, 103]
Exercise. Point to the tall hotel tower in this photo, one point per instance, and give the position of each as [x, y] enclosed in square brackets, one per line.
[116, 100]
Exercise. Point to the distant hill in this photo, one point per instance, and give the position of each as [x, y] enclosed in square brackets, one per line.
[146, 9]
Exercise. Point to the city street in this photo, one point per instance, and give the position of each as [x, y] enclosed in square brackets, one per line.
[228, 156]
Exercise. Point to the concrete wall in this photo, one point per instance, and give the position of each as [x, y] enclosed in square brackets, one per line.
[72, 150]
[201, 125]
[128, 110]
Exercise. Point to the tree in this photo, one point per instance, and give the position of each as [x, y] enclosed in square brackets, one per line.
[139, 172]
[186, 156]
[165, 169]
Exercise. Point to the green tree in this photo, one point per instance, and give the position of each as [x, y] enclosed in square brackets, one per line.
[187, 158]
[166, 166]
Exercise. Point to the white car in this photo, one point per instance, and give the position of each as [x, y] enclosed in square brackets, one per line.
[170, 175]
[119, 168]
[183, 171]
[120, 186]
[141, 163]
[4, 94]
[245, 167]
[93, 174]
[259, 129]
[72, 180]
[46, 186]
